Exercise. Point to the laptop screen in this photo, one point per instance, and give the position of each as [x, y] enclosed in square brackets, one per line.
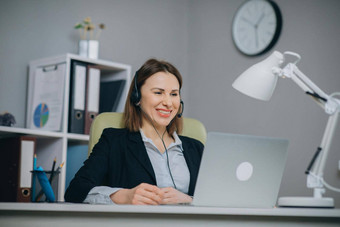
[240, 171]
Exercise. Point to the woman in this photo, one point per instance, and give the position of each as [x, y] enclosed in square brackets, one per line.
[146, 162]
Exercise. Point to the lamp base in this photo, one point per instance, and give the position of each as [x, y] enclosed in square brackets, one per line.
[306, 202]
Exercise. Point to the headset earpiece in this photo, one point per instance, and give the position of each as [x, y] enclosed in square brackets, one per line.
[181, 113]
[135, 95]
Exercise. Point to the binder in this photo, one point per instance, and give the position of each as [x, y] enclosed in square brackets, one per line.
[110, 95]
[16, 164]
[92, 96]
[77, 97]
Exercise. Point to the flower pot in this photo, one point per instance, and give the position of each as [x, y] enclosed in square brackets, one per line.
[93, 49]
[89, 48]
[83, 48]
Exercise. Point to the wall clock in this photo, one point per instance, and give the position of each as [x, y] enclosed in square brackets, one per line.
[256, 26]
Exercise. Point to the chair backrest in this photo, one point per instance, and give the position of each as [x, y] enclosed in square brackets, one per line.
[191, 127]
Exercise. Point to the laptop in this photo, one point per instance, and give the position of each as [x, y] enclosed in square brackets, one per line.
[240, 171]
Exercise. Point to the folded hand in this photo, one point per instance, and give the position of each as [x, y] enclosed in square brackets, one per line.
[143, 194]
[173, 196]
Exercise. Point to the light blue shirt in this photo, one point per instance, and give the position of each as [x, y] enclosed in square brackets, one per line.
[177, 163]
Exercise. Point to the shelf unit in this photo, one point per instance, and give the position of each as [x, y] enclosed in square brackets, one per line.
[54, 144]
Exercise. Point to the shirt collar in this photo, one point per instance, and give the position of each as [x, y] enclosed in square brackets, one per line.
[177, 142]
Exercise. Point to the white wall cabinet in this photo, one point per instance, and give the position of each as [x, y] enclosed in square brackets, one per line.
[54, 144]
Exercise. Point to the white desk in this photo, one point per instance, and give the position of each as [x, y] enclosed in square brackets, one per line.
[83, 215]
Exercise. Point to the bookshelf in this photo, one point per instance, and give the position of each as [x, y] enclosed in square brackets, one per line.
[52, 144]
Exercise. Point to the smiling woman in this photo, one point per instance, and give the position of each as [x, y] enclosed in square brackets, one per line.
[160, 100]
[133, 112]
[146, 162]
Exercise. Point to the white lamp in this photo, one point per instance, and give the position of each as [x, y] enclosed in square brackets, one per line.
[259, 82]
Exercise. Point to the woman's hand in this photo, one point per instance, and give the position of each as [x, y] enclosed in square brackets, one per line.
[173, 196]
[143, 194]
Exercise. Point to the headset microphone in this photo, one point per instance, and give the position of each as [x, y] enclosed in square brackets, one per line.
[181, 113]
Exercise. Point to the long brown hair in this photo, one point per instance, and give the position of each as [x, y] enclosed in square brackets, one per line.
[132, 113]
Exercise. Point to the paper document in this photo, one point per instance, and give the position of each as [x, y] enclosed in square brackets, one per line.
[48, 95]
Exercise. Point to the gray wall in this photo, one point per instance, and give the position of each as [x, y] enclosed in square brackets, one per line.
[135, 31]
[310, 28]
[195, 36]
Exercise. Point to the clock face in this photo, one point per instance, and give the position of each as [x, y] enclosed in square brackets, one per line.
[256, 26]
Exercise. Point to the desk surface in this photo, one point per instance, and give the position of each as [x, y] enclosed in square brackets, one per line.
[84, 214]
[169, 209]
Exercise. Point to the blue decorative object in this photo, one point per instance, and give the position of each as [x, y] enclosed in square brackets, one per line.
[45, 184]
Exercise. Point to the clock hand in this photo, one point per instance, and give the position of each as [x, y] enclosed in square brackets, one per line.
[259, 20]
[248, 21]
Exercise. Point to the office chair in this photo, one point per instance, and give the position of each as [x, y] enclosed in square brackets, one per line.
[191, 127]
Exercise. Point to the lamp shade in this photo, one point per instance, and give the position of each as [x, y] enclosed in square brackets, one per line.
[259, 81]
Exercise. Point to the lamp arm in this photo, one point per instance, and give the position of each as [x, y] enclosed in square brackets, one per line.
[331, 107]
[292, 71]
[325, 144]
[309, 83]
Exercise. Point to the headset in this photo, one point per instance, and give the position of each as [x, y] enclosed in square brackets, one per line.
[136, 96]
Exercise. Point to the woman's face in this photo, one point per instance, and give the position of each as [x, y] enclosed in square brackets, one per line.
[160, 98]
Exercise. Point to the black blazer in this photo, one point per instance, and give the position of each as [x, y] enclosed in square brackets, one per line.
[120, 159]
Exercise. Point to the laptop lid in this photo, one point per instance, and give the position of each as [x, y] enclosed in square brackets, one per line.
[240, 171]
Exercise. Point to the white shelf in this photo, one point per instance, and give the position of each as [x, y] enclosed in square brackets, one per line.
[103, 64]
[77, 137]
[25, 131]
[10, 131]
[51, 144]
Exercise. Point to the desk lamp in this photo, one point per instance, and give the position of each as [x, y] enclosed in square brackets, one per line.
[259, 82]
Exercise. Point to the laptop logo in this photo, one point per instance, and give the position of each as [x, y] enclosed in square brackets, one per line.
[244, 171]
